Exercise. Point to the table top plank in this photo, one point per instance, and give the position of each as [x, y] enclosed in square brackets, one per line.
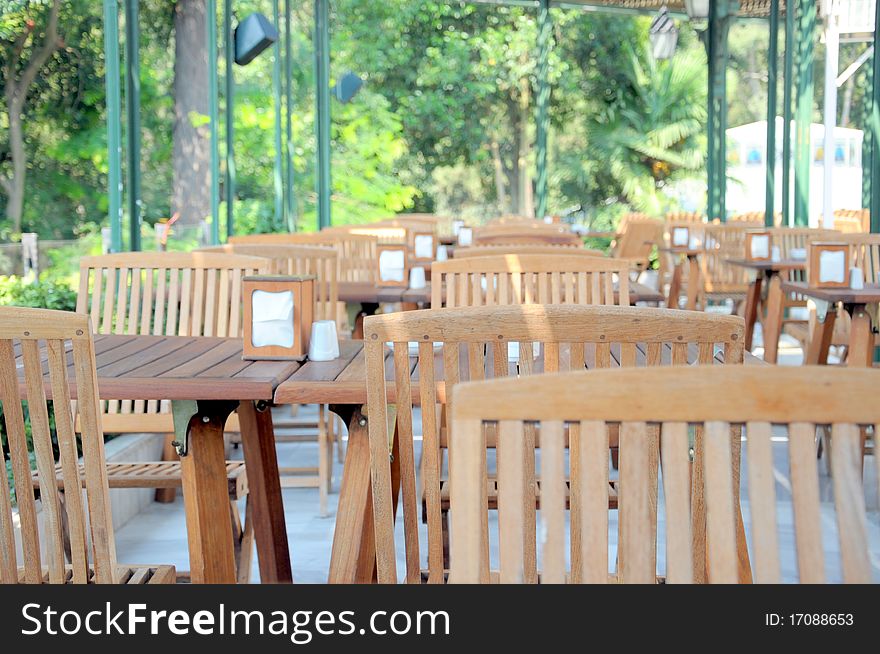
[867, 295]
[206, 361]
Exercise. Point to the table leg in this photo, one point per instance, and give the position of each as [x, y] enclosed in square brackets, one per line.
[861, 338]
[820, 339]
[353, 555]
[674, 287]
[206, 496]
[752, 300]
[264, 488]
[695, 283]
[773, 321]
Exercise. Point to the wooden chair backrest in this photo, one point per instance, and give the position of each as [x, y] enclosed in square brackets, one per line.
[762, 400]
[720, 243]
[684, 217]
[320, 261]
[788, 238]
[386, 234]
[170, 293]
[475, 347]
[416, 222]
[67, 339]
[750, 217]
[852, 221]
[357, 252]
[546, 250]
[638, 239]
[538, 233]
[864, 253]
[164, 293]
[528, 279]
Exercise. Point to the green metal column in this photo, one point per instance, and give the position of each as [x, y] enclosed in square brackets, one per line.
[772, 64]
[288, 88]
[114, 111]
[806, 36]
[787, 86]
[542, 127]
[229, 41]
[721, 15]
[867, 139]
[874, 127]
[133, 122]
[276, 95]
[214, 114]
[322, 106]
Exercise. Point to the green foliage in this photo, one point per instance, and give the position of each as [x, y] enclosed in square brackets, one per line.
[47, 293]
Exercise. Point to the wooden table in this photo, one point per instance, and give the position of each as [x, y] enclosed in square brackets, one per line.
[855, 303]
[694, 281]
[206, 380]
[342, 385]
[771, 271]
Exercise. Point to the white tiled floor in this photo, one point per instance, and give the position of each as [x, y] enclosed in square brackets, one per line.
[158, 535]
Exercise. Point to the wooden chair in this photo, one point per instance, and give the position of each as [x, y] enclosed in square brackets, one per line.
[529, 279]
[519, 250]
[637, 241]
[854, 221]
[722, 281]
[384, 233]
[320, 261]
[474, 345]
[719, 399]
[85, 527]
[687, 217]
[667, 260]
[356, 252]
[164, 293]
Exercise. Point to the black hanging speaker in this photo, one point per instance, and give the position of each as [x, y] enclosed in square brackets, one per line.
[253, 35]
[347, 87]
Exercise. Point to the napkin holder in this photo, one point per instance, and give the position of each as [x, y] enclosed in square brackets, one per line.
[829, 265]
[392, 265]
[278, 314]
[759, 245]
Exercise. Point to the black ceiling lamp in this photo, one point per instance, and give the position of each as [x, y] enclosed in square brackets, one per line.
[253, 35]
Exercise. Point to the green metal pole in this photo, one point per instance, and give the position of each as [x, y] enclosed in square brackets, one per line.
[545, 29]
[229, 41]
[711, 157]
[723, 54]
[133, 122]
[214, 112]
[322, 101]
[772, 65]
[874, 127]
[867, 140]
[288, 86]
[279, 154]
[114, 111]
[788, 77]
[806, 35]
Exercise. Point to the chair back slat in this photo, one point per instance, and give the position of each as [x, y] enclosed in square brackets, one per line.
[492, 250]
[320, 261]
[529, 279]
[526, 340]
[71, 541]
[769, 401]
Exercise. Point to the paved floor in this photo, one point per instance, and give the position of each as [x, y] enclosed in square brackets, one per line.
[158, 535]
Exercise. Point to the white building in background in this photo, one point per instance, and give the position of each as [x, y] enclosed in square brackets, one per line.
[747, 168]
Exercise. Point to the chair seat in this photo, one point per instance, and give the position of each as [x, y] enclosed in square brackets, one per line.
[493, 494]
[125, 574]
[158, 474]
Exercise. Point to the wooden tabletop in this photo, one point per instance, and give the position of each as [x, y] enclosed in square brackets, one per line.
[867, 295]
[369, 293]
[343, 381]
[775, 266]
[179, 368]
[686, 251]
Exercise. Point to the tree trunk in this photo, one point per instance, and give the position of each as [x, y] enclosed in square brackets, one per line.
[847, 103]
[14, 187]
[191, 195]
[526, 204]
[15, 92]
[500, 185]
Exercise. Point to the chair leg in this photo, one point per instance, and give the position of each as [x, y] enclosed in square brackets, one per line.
[169, 453]
[243, 537]
[337, 435]
[323, 459]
